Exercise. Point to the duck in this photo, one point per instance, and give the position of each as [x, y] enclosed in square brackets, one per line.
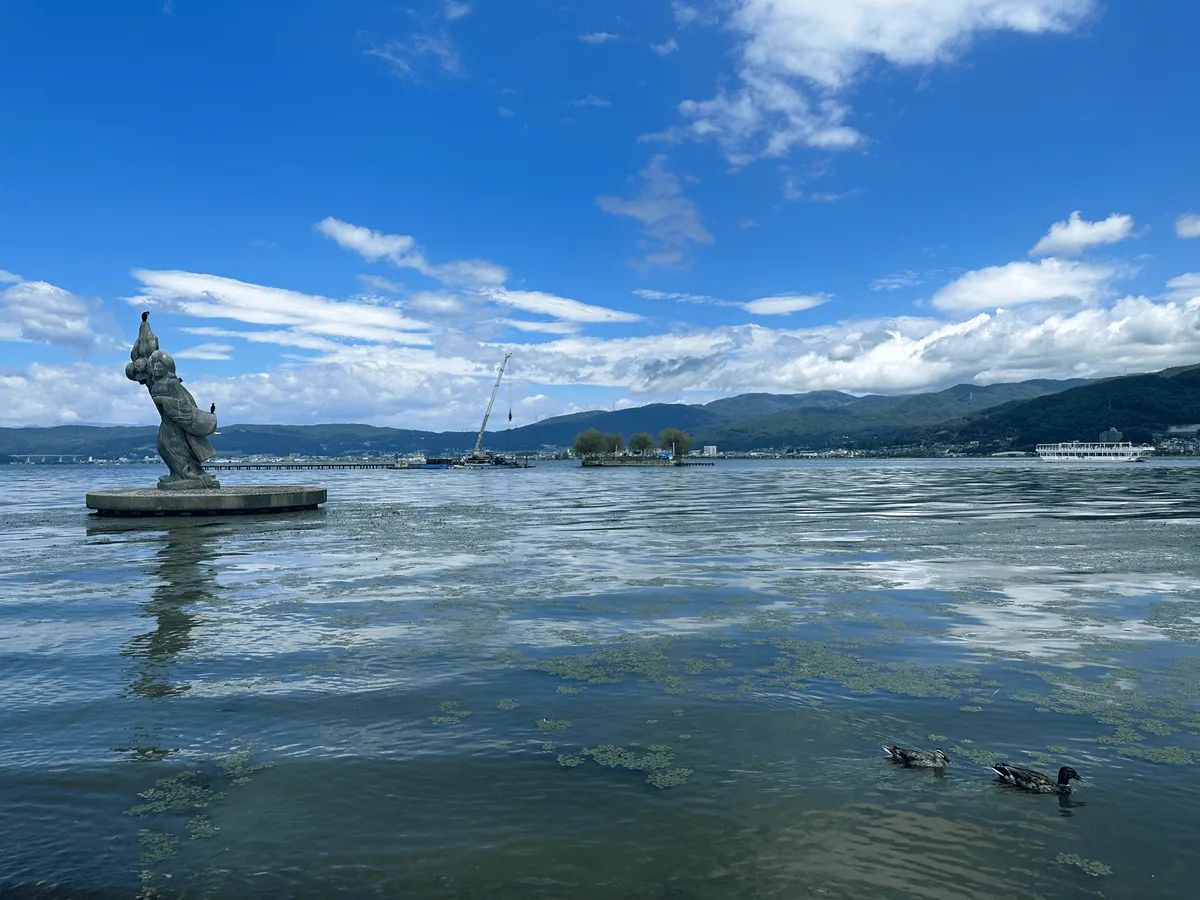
[1037, 782]
[918, 759]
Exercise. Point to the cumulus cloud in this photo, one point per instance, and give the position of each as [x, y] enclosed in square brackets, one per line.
[457, 10]
[1076, 234]
[785, 304]
[591, 100]
[1188, 226]
[444, 387]
[799, 59]
[401, 250]
[9, 277]
[40, 313]
[598, 37]
[681, 298]
[671, 220]
[666, 48]
[1021, 282]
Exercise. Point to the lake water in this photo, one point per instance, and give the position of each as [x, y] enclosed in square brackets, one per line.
[566, 683]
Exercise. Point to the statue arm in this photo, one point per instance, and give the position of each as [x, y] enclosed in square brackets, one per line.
[185, 414]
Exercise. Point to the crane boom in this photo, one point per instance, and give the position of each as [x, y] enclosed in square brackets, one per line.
[487, 415]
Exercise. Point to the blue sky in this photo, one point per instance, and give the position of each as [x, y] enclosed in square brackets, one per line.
[350, 211]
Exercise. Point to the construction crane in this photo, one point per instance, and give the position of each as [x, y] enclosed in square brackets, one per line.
[477, 452]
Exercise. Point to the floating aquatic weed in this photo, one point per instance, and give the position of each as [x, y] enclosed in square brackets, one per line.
[970, 709]
[983, 757]
[451, 714]
[549, 747]
[237, 768]
[158, 845]
[685, 737]
[677, 712]
[1158, 727]
[201, 827]
[937, 737]
[1123, 735]
[1039, 757]
[652, 721]
[1090, 866]
[553, 724]
[507, 704]
[181, 792]
[1176, 756]
[669, 778]
[570, 689]
[570, 762]
[719, 697]
[1059, 749]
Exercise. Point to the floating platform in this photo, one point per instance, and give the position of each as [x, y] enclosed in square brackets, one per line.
[636, 462]
[226, 501]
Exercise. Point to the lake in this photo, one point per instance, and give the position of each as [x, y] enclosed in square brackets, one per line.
[566, 683]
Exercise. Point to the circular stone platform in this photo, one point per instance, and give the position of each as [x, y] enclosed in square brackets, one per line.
[219, 502]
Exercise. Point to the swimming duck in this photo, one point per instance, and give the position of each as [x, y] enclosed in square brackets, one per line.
[918, 759]
[1038, 782]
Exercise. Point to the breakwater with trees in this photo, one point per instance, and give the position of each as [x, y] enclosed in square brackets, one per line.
[673, 442]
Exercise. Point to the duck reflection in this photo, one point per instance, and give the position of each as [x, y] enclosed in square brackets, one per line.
[184, 575]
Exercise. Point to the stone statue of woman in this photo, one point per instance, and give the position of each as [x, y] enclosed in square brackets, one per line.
[183, 434]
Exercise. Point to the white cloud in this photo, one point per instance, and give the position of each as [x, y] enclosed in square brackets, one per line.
[205, 351]
[747, 223]
[898, 280]
[40, 313]
[681, 298]
[1186, 287]
[597, 37]
[785, 304]
[799, 58]
[457, 10]
[405, 58]
[1188, 225]
[671, 220]
[379, 283]
[689, 15]
[401, 250]
[216, 297]
[9, 277]
[444, 387]
[541, 327]
[666, 48]
[558, 307]
[591, 100]
[505, 112]
[1022, 282]
[1075, 235]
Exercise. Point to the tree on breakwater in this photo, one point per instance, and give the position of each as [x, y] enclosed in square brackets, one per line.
[673, 437]
[594, 442]
[642, 443]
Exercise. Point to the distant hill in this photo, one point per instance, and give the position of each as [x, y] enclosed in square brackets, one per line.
[1141, 406]
[749, 421]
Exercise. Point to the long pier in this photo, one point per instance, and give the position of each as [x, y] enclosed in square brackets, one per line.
[362, 464]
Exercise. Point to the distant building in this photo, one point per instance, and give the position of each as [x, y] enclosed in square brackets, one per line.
[710, 450]
[1111, 436]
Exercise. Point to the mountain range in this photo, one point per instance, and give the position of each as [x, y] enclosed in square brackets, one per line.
[987, 417]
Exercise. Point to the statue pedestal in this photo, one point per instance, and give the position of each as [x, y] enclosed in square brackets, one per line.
[219, 502]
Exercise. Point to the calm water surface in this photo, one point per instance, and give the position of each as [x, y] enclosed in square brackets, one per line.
[560, 683]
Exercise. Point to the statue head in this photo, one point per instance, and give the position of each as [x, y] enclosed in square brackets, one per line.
[161, 364]
[138, 370]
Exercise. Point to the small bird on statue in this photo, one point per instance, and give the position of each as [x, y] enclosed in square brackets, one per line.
[212, 407]
[145, 315]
